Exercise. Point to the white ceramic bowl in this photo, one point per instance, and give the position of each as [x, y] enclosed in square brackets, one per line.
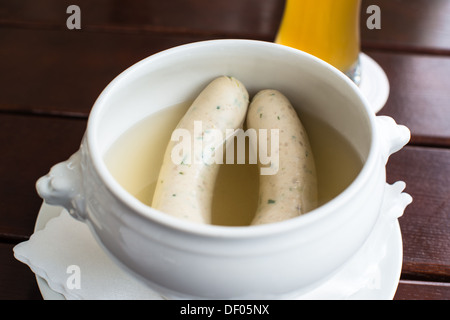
[186, 260]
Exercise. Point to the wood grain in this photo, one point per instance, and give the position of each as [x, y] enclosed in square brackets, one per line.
[407, 25]
[17, 282]
[425, 224]
[414, 26]
[63, 72]
[231, 18]
[418, 290]
[419, 97]
[30, 146]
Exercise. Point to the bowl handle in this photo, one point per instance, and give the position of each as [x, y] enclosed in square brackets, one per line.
[393, 206]
[62, 186]
[394, 136]
[395, 200]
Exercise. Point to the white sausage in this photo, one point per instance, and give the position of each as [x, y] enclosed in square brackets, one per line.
[185, 190]
[292, 191]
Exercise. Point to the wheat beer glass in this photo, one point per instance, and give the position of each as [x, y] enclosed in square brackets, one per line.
[327, 29]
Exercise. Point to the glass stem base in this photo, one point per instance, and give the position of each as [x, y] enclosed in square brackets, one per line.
[354, 73]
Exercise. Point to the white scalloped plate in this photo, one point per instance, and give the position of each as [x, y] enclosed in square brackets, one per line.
[389, 269]
[374, 83]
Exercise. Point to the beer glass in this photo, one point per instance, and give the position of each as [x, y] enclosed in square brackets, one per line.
[327, 29]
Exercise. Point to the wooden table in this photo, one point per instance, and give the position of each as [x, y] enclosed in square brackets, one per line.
[50, 77]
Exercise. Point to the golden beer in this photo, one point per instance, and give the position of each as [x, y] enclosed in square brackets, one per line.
[327, 29]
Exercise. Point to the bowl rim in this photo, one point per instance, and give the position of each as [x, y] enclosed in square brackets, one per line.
[152, 215]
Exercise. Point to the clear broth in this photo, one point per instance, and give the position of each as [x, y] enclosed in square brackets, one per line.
[136, 157]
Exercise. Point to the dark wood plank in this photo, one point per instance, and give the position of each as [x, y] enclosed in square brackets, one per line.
[425, 224]
[62, 71]
[417, 290]
[231, 18]
[17, 282]
[413, 25]
[409, 25]
[419, 96]
[30, 146]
